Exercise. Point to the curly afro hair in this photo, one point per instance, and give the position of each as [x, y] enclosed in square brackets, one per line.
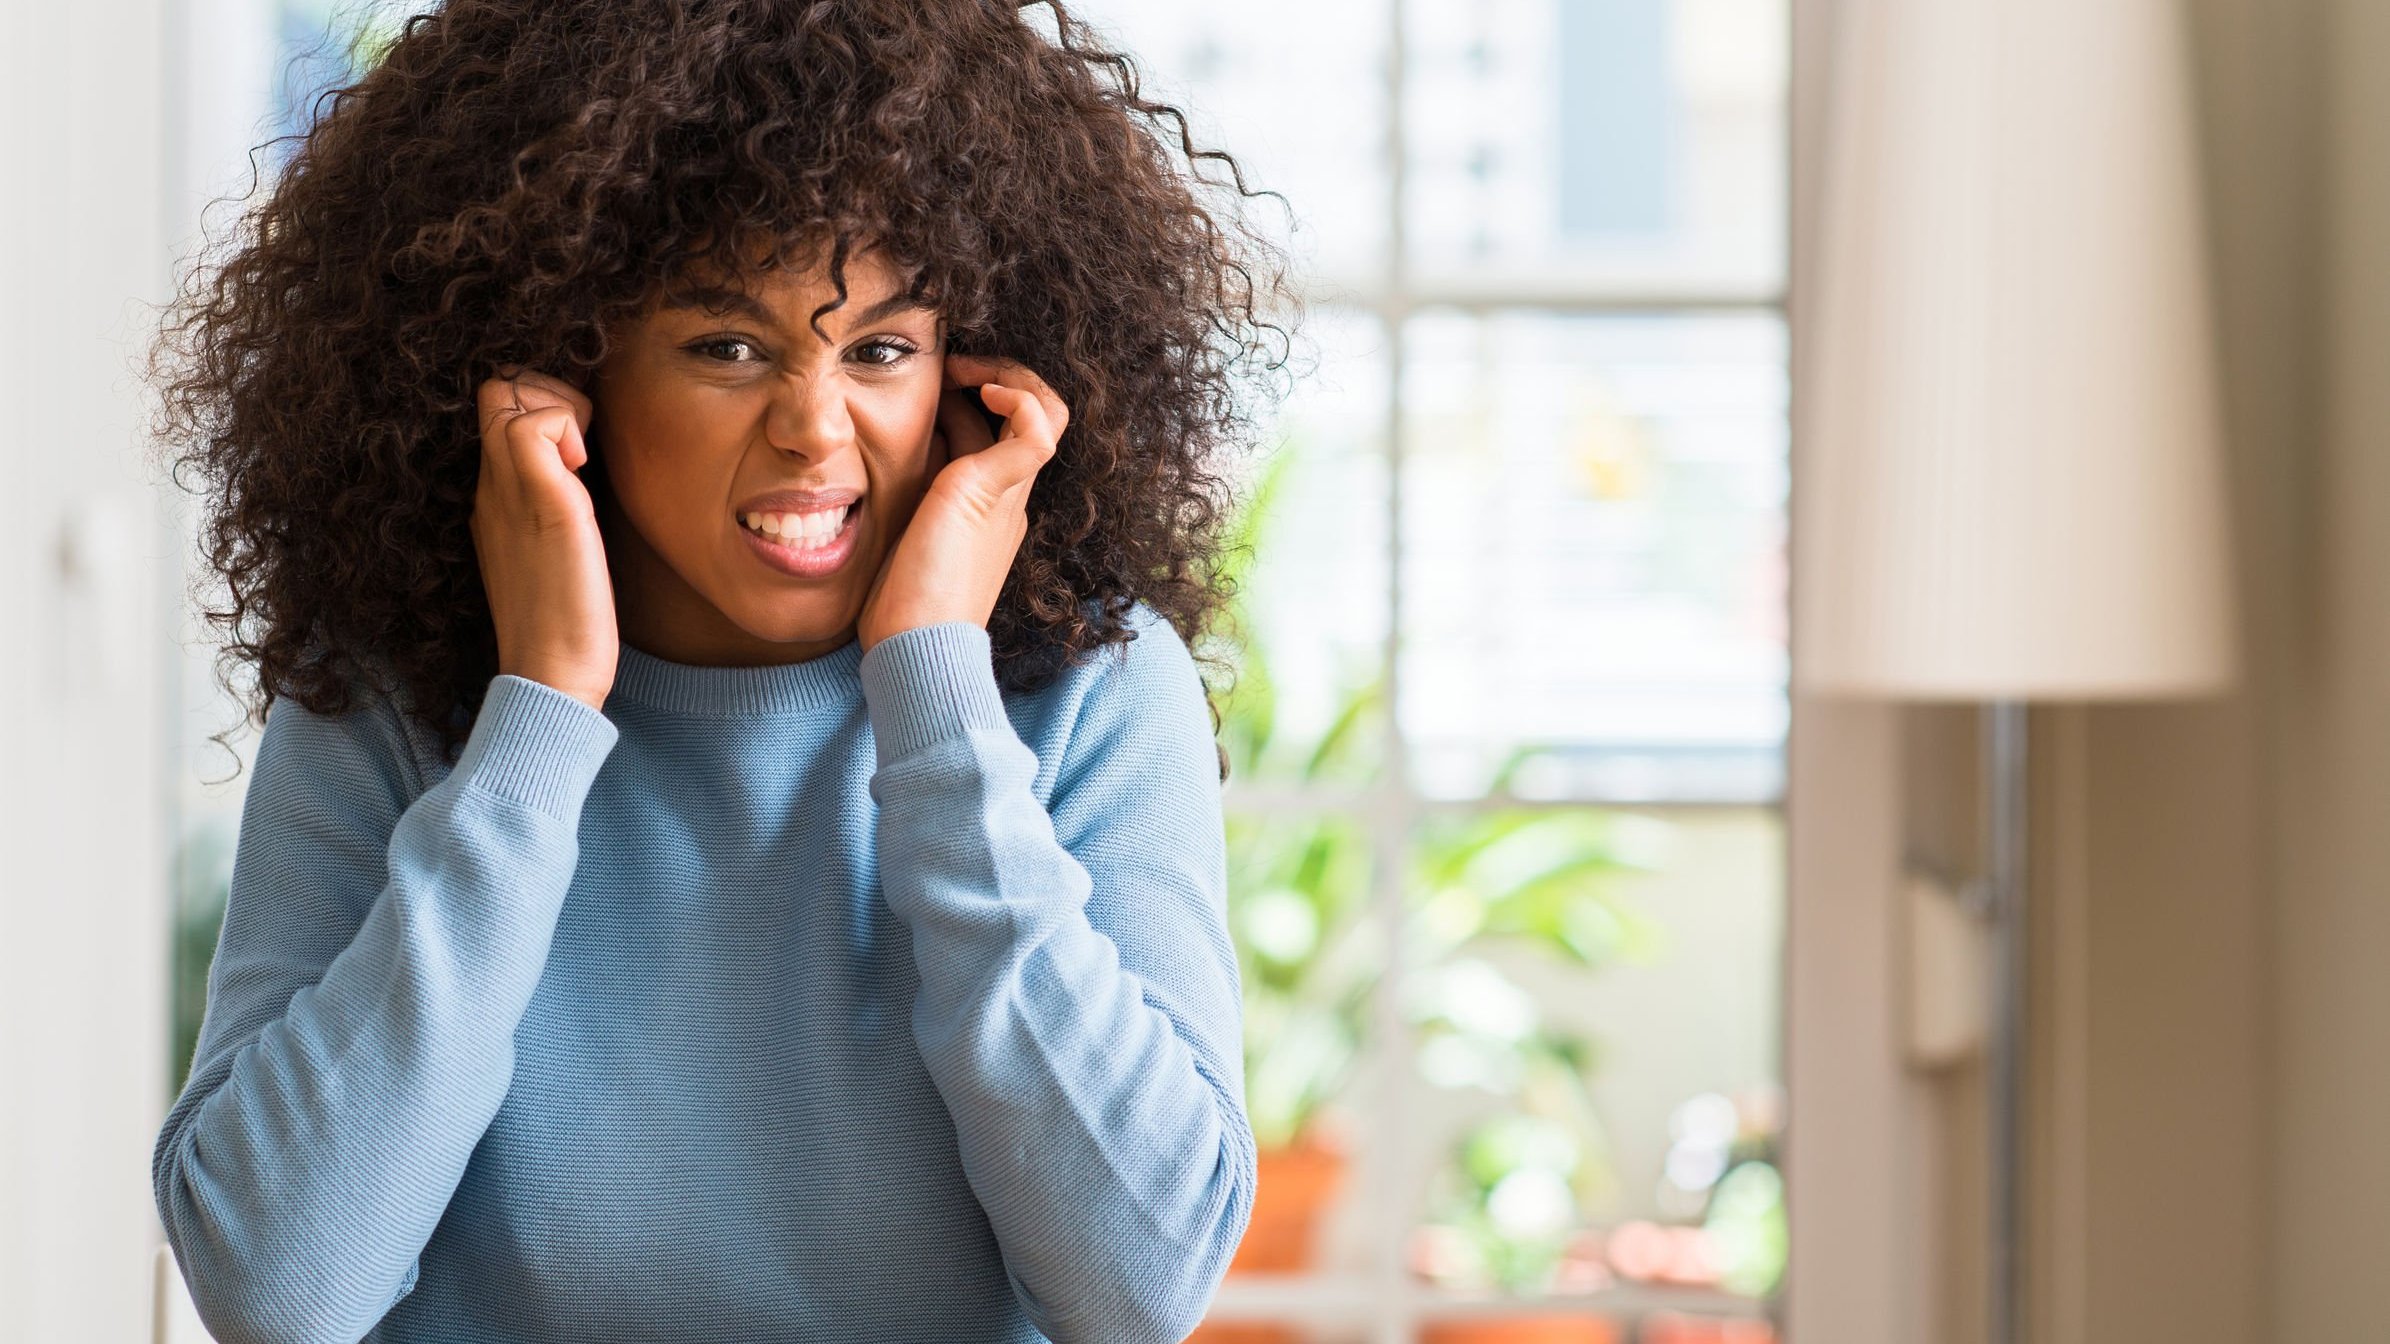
[513, 176]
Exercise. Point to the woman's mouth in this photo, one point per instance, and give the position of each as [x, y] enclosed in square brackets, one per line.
[805, 545]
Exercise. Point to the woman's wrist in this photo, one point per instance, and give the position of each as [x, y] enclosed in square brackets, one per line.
[933, 682]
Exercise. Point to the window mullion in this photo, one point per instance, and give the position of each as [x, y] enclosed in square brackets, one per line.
[1390, 815]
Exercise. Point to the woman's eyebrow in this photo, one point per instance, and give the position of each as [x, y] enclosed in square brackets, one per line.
[888, 307]
[715, 299]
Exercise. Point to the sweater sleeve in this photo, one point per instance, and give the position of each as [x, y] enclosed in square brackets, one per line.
[376, 957]
[1079, 1008]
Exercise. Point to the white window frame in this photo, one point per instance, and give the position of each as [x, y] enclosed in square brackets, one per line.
[1387, 1300]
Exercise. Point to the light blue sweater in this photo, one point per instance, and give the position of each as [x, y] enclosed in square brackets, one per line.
[845, 1000]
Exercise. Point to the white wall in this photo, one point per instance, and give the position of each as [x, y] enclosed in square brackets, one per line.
[83, 692]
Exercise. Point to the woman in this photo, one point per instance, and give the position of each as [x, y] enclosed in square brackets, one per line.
[718, 497]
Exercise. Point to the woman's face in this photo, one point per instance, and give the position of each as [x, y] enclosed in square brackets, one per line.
[761, 473]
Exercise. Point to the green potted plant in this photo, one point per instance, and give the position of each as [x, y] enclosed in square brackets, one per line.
[1311, 945]
[1506, 1209]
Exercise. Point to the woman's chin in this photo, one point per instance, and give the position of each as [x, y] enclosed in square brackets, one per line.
[812, 618]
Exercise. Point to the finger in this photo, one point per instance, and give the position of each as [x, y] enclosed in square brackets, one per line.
[545, 443]
[1007, 466]
[968, 371]
[572, 447]
[1011, 464]
[533, 389]
[1026, 416]
[966, 428]
[567, 447]
[495, 405]
[584, 410]
[496, 401]
[985, 369]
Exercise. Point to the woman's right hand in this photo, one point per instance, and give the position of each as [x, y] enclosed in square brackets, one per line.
[543, 560]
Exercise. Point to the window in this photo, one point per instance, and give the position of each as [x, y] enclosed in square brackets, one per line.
[1510, 716]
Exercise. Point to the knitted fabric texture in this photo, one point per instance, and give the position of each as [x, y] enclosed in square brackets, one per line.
[841, 1000]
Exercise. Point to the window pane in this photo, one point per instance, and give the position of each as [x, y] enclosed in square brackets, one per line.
[1593, 555]
[1632, 145]
[1296, 92]
[1594, 994]
[1313, 610]
[321, 45]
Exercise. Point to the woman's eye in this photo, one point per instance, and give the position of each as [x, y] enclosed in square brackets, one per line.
[719, 342]
[890, 352]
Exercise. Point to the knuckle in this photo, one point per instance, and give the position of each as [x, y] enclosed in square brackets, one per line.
[524, 430]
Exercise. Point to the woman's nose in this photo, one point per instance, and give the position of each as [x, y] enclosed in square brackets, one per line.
[809, 415]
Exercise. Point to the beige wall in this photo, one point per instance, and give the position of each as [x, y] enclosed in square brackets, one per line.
[2166, 836]
[2211, 1057]
[2213, 985]
[2234, 879]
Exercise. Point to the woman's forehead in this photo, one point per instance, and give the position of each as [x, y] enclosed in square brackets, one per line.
[793, 295]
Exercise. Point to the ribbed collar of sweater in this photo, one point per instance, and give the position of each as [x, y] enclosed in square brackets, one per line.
[833, 678]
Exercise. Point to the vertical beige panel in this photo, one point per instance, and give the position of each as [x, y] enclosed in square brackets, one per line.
[1860, 1181]
[2165, 833]
[2171, 909]
[2331, 1217]
[2161, 830]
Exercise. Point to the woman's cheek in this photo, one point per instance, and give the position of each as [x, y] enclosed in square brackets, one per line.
[899, 468]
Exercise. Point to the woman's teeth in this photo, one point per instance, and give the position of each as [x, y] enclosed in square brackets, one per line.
[803, 531]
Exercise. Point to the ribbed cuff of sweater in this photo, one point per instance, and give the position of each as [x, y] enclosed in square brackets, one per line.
[536, 745]
[930, 683]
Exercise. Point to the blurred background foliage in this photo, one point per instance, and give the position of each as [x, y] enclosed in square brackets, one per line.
[1513, 1193]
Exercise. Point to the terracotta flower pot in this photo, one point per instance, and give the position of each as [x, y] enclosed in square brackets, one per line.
[1559, 1329]
[1295, 1186]
[1297, 1183]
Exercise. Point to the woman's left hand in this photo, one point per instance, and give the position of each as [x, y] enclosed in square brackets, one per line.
[951, 557]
